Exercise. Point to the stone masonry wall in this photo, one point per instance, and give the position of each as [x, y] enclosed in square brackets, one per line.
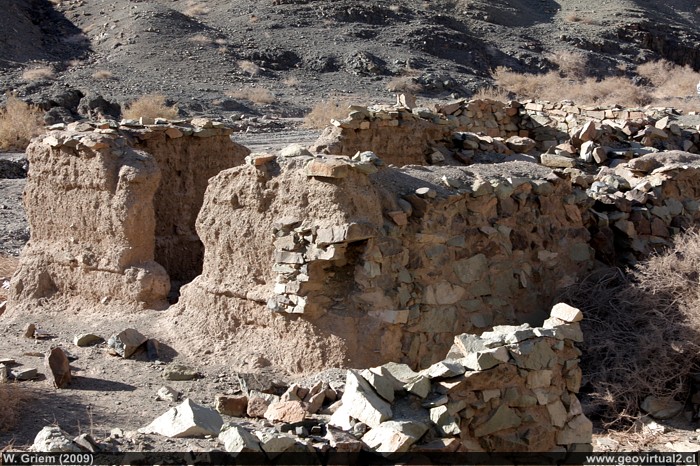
[406, 134]
[512, 389]
[383, 266]
[95, 197]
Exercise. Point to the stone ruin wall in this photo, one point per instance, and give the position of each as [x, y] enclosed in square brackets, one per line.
[315, 261]
[95, 197]
[404, 135]
[361, 261]
[512, 389]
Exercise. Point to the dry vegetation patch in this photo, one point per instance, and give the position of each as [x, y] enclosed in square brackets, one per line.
[323, 112]
[195, 9]
[404, 84]
[668, 84]
[11, 400]
[151, 106]
[38, 73]
[102, 75]
[19, 123]
[642, 331]
[258, 95]
[249, 67]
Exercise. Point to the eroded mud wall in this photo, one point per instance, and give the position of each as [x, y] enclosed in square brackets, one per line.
[112, 209]
[89, 204]
[340, 267]
[186, 160]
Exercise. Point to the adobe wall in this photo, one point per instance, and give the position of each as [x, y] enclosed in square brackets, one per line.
[96, 196]
[186, 160]
[368, 268]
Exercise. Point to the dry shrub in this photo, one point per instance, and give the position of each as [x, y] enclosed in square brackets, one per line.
[323, 112]
[671, 85]
[19, 123]
[38, 73]
[150, 106]
[551, 86]
[404, 84]
[669, 80]
[195, 9]
[249, 67]
[642, 331]
[491, 93]
[258, 95]
[11, 400]
[102, 74]
[571, 64]
[200, 39]
[573, 18]
[291, 81]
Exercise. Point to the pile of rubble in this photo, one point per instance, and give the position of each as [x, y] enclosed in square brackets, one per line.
[511, 389]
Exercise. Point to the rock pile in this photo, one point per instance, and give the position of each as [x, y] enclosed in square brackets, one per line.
[511, 389]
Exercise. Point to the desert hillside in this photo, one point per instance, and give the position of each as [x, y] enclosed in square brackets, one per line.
[280, 57]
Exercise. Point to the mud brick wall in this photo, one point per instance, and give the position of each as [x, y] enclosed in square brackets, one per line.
[387, 266]
[187, 157]
[97, 195]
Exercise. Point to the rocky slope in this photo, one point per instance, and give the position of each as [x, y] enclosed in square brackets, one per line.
[196, 53]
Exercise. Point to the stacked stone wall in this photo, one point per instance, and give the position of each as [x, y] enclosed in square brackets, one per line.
[393, 263]
[512, 389]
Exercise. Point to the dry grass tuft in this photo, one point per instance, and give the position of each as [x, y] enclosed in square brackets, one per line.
[11, 400]
[195, 9]
[102, 75]
[249, 67]
[323, 112]
[151, 106]
[200, 39]
[19, 123]
[491, 93]
[38, 73]
[291, 81]
[404, 84]
[670, 85]
[258, 95]
[642, 331]
[571, 64]
[573, 18]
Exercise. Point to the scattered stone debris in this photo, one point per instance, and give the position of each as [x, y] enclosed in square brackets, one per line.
[86, 339]
[166, 393]
[179, 372]
[24, 373]
[53, 439]
[186, 420]
[661, 409]
[229, 405]
[57, 368]
[126, 342]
